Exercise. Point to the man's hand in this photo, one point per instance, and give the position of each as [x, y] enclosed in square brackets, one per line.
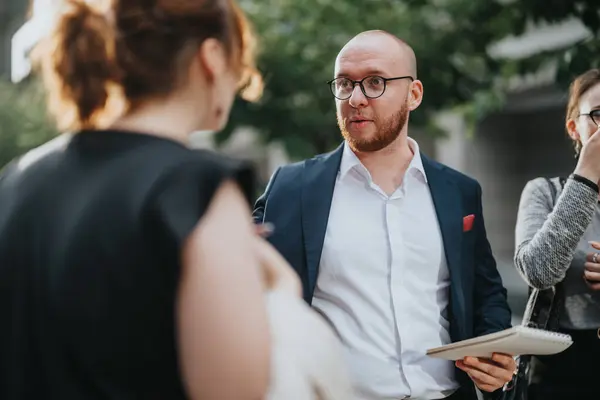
[489, 375]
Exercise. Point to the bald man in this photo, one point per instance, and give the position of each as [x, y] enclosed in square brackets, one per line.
[390, 245]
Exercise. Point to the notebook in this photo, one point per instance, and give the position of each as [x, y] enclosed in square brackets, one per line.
[514, 341]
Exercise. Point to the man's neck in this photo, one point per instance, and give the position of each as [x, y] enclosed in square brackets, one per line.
[388, 166]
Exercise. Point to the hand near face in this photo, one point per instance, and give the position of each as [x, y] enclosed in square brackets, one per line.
[588, 165]
[489, 375]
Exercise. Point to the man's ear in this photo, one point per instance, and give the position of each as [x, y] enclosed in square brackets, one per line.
[415, 95]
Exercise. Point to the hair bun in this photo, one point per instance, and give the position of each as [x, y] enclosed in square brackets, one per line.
[78, 62]
[108, 56]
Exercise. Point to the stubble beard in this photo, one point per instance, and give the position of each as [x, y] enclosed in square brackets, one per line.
[387, 132]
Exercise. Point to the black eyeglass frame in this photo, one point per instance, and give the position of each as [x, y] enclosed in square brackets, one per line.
[362, 88]
[594, 115]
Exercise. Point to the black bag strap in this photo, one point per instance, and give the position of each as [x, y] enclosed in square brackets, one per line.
[561, 180]
[551, 300]
[557, 304]
[552, 190]
[543, 312]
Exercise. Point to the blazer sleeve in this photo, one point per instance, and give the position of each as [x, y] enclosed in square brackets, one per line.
[491, 310]
[258, 214]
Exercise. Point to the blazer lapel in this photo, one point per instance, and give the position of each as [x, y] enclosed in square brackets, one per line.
[448, 207]
[317, 192]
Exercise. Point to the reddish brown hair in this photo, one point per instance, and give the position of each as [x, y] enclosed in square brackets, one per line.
[107, 56]
[578, 88]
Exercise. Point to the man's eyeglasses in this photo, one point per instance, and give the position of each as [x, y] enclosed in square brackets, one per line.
[371, 86]
[594, 115]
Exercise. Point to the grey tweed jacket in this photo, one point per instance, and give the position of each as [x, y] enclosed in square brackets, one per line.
[552, 235]
[547, 235]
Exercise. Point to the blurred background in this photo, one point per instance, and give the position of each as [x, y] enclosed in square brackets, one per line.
[495, 73]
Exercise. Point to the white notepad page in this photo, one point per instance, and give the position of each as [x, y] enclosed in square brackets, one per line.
[515, 341]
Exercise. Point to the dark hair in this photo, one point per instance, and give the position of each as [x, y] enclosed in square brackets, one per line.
[578, 88]
[107, 56]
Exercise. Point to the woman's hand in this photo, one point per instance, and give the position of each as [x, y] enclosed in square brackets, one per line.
[263, 230]
[592, 267]
[588, 165]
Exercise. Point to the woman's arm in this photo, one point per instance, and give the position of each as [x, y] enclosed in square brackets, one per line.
[222, 322]
[546, 237]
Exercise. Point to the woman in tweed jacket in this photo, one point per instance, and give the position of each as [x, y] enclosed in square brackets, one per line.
[554, 229]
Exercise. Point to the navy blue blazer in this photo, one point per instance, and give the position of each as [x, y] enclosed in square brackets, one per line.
[297, 202]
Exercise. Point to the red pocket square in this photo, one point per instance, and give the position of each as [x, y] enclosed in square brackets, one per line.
[468, 222]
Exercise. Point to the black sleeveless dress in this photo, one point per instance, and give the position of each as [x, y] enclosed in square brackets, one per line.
[91, 227]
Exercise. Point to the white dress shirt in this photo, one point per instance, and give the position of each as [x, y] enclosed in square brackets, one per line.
[384, 284]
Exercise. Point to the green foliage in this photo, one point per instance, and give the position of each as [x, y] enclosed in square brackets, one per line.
[300, 40]
[299, 43]
[23, 122]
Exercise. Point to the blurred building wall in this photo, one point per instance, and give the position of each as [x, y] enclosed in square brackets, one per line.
[525, 140]
[12, 13]
[4, 38]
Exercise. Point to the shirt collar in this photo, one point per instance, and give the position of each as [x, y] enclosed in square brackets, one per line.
[350, 161]
[417, 162]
